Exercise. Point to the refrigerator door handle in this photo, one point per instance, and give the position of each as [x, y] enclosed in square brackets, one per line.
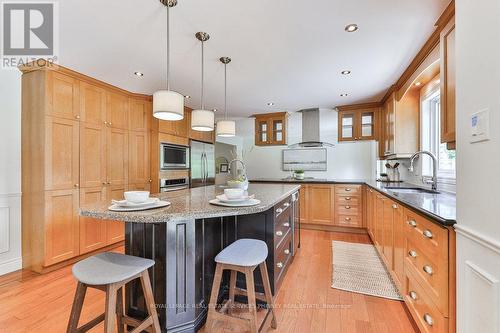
[206, 168]
[203, 171]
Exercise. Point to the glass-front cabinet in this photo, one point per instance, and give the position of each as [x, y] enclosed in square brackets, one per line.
[270, 129]
[358, 124]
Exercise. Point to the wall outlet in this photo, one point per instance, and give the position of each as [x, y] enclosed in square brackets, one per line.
[480, 126]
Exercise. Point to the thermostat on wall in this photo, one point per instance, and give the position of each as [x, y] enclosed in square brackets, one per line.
[480, 126]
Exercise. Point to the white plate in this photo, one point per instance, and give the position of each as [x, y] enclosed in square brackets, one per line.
[224, 198]
[125, 203]
[157, 204]
[247, 203]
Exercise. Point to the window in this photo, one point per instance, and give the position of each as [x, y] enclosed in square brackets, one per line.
[431, 140]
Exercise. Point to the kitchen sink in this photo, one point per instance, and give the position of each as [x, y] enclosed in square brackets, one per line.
[410, 190]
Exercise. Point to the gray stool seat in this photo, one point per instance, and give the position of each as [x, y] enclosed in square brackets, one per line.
[244, 252]
[109, 267]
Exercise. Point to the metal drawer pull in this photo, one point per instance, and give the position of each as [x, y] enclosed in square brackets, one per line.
[347, 218]
[348, 189]
[287, 251]
[279, 210]
[77, 117]
[428, 319]
[427, 234]
[428, 269]
[412, 253]
[348, 198]
[394, 206]
[286, 224]
[347, 207]
[279, 265]
[413, 295]
[279, 233]
[286, 204]
[412, 223]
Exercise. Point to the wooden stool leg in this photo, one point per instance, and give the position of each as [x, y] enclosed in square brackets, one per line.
[76, 309]
[150, 301]
[252, 305]
[232, 287]
[267, 291]
[119, 310]
[213, 297]
[110, 311]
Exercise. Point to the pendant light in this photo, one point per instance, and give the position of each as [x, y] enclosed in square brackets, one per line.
[201, 119]
[226, 128]
[168, 104]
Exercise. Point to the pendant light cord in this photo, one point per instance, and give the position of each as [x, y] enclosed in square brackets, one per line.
[168, 45]
[202, 76]
[225, 91]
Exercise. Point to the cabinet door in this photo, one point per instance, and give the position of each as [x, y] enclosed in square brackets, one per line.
[278, 130]
[61, 154]
[62, 96]
[370, 213]
[117, 156]
[366, 122]
[140, 114]
[448, 82]
[262, 132]
[399, 246]
[389, 123]
[167, 127]
[304, 199]
[321, 204]
[115, 230]
[379, 222]
[92, 231]
[347, 128]
[61, 226]
[388, 236]
[117, 109]
[92, 104]
[139, 157]
[92, 155]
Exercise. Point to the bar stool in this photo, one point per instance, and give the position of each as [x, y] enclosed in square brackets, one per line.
[110, 272]
[243, 256]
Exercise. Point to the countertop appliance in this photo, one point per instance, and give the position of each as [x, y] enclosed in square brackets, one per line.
[202, 164]
[173, 157]
[296, 222]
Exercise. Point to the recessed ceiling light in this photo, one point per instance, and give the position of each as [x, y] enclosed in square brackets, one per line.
[270, 104]
[351, 27]
[139, 74]
[343, 95]
[214, 110]
[187, 96]
[345, 72]
[418, 83]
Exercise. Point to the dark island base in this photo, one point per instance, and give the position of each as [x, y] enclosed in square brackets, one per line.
[184, 254]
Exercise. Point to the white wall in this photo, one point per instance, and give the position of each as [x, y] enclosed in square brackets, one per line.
[354, 160]
[10, 171]
[478, 179]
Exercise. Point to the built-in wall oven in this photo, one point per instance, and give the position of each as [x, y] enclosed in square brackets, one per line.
[173, 157]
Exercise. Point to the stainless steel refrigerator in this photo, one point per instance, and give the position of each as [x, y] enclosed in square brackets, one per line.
[202, 164]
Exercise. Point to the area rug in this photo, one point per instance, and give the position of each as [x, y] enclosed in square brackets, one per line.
[358, 268]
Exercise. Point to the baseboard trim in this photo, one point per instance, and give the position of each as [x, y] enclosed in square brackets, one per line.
[11, 265]
[477, 237]
[331, 228]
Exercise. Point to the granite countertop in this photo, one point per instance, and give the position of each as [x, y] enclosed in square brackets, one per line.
[440, 207]
[193, 204]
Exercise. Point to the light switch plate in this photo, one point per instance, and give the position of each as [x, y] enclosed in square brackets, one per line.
[480, 126]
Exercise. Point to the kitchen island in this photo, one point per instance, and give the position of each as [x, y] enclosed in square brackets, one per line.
[184, 238]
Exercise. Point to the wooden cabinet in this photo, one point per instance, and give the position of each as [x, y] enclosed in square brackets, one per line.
[370, 212]
[387, 234]
[388, 125]
[62, 96]
[139, 169]
[358, 123]
[321, 202]
[92, 231]
[270, 129]
[448, 83]
[304, 199]
[140, 111]
[349, 205]
[117, 156]
[117, 110]
[61, 154]
[92, 104]
[92, 155]
[115, 230]
[61, 227]
[180, 128]
[398, 222]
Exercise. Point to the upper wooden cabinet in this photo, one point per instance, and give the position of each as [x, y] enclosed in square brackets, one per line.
[92, 155]
[62, 96]
[117, 109]
[448, 83]
[178, 127]
[92, 104]
[358, 122]
[270, 129]
[140, 110]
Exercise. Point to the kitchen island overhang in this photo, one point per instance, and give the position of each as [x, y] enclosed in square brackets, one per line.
[184, 238]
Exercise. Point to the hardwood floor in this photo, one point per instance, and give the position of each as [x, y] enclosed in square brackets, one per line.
[305, 303]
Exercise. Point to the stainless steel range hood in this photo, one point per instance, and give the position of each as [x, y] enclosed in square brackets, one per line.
[311, 130]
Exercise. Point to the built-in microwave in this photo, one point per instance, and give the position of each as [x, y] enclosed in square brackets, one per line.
[173, 157]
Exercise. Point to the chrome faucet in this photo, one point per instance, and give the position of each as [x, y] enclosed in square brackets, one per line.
[242, 164]
[434, 165]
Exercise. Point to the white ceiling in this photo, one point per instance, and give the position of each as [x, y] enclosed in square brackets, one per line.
[288, 52]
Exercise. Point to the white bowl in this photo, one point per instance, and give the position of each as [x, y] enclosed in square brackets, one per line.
[136, 196]
[234, 193]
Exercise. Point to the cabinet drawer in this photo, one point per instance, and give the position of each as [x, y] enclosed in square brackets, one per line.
[352, 200]
[348, 221]
[427, 234]
[283, 208]
[347, 209]
[348, 189]
[426, 314]
[282, 227]
[282, 256]
[430, 270]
